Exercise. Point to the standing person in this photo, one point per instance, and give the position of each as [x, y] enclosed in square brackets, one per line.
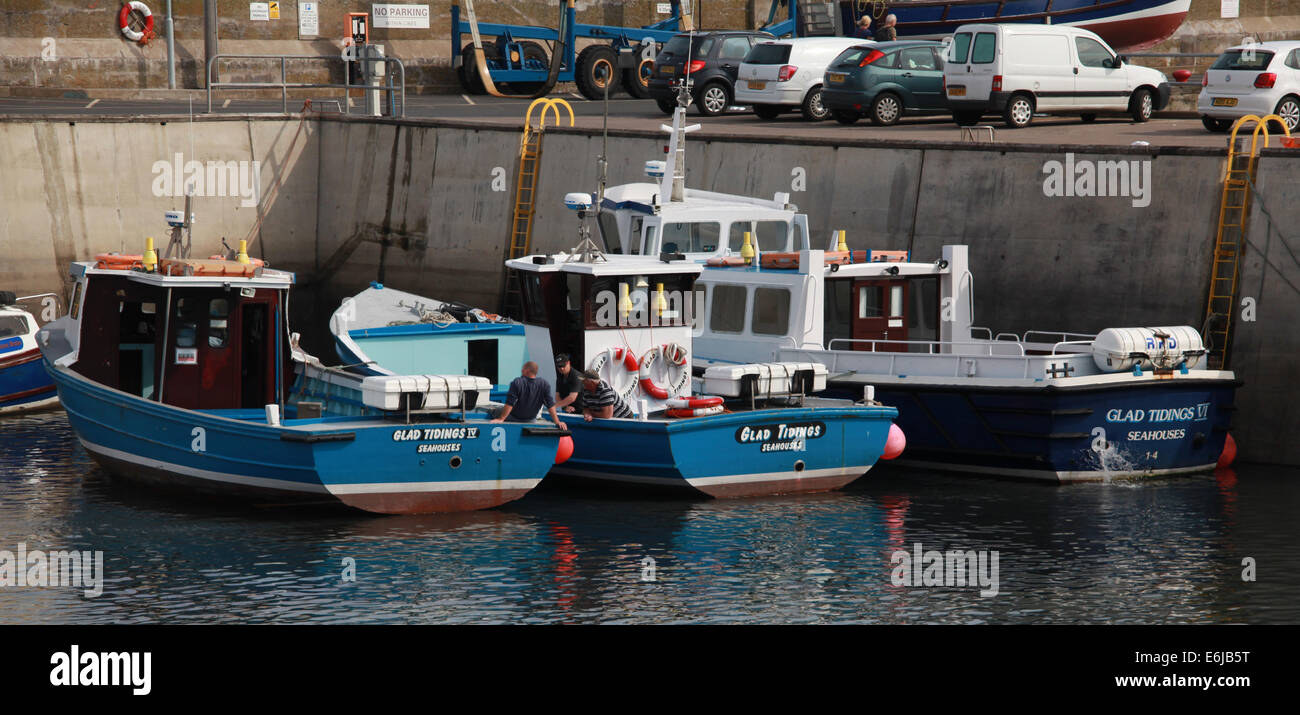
[599, 399]
[526, 396]
[568, 385]
[887, 32]
[864, 28]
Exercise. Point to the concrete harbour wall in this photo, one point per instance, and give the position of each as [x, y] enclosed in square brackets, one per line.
[426, 206]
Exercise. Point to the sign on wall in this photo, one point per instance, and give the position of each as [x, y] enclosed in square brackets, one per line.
[308, 19]
[259, 11]
[1229, 8]
[402, 16]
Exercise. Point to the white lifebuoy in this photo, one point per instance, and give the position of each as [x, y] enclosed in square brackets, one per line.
[619, 356]
[674, 355]
[124, 21]
[694, 402]
[700, 412]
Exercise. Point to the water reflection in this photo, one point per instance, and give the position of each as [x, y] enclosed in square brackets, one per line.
[1165, 551]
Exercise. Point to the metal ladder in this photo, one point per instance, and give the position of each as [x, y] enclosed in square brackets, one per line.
[1230, 239]
[521, 222]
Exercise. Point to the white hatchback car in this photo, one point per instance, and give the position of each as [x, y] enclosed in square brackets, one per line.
[1259, 79]
[787, 74]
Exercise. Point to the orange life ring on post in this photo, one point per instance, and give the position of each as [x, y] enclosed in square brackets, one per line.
[124, 22]
[675, 355]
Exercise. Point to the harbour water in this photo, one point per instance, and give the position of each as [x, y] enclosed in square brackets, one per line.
[1165, 551]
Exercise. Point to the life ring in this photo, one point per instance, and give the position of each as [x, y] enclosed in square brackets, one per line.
[620, 356]
[119, 261]
[726, 261]
[124, 22]
[675, 355]
[694, 402]
[699, 412]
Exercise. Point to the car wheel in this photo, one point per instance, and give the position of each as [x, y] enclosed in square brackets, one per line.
[767, 111]
[966, 118]
[1019, 112]
[595, 71]
[1141, 105]
[845, 116]
[886, 109]
[713, 100]
[813, 110]
[1289, 110]
[1088, 117]
[1218, 126]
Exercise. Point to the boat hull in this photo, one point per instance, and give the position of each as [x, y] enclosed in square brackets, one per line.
[366, 463]
[24, 384]
[1061, 433]
[716, 457]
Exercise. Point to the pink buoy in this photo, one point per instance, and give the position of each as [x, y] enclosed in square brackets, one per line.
[1229, 453]
[894, 443]
[565, 450]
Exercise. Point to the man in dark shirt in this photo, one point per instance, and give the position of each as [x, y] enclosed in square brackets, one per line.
[526, 396]
[599, 399]
[568, 386]
[887, 32]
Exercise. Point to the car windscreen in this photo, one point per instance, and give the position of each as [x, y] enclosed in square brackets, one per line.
[1243, 60]
[769, 53]
[677, 46]
[850, 57]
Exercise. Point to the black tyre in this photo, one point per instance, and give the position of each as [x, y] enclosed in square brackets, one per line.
[1289, 110]
[713, 99]
[468, 74]
[767, 111]
[886, 109]
[594, 71]
[1019, 112]
[1141, 105]
[1218, 126]
[1087, 118]
[812, 109]
[966, 118]
[533, 54]
[667, 106]
[845, 116]
[637, 79]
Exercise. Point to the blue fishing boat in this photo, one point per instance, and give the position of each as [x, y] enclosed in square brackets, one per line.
[24, 384]
[183, 372]
[1126, 25]
[385, 331]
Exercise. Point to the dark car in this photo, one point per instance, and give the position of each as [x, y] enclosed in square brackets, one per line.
[885, 80]
[714, 60]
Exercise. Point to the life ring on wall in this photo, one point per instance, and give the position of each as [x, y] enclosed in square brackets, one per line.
[675, 356]
[617, 356]
[124, 22]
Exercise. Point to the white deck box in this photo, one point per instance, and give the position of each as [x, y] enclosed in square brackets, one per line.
[771, 378]
[438, 392]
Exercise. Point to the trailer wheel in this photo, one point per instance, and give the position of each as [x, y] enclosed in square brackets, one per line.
[637, 79]
[595, 70]
[468, 74]
[533, 52]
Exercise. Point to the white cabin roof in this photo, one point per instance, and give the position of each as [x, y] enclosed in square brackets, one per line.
[615, 265]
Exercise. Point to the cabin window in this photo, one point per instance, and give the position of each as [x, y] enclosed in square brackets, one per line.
[649, 246]
[137, 322]
[608, 223]
[701, 237]
[218, 322]
[771, 311]
[767, 235]
[838, 317]
[923, 313]
[186, 327]
[530, 289]
[12, 325]
[871, 303]
[727, 315]
[640, 301]
[75, 306]
[986, 44]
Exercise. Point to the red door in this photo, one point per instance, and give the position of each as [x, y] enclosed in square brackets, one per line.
[878, 314]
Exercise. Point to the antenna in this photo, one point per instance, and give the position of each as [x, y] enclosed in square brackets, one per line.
[586, 251]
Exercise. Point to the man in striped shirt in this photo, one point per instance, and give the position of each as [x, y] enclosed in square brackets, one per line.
[599, 399]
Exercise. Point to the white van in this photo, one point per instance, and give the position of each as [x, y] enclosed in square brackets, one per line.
[787, 74]
[1018, 69]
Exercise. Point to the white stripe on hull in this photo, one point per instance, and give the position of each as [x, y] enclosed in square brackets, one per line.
[284, 485]
[714, 481]
[38, 405]
[1049, 475]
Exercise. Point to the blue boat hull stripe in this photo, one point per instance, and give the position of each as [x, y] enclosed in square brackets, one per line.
[260, 482]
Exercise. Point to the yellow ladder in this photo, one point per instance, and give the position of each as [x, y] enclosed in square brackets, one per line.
[521, 222]
[1230, 240]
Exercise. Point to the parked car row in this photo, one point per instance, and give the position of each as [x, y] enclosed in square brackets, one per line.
[1012, 71]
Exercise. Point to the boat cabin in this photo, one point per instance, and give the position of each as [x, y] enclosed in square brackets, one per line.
[195, 334]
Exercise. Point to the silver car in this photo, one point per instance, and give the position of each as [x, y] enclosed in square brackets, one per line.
[1259, 79]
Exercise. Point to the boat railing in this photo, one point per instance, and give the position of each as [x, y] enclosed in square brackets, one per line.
[988, 332]
[987, 346]
[1057, 336]
[1069, 342]
[1005, 337]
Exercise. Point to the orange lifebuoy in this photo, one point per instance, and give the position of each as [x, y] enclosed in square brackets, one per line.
[698, 412]
[694, 402]
[124, 22]
[674, 354]
[119, 261]
[621, 356]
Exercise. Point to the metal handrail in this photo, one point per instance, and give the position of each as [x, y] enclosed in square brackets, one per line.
[1054, 333]
[932, 344]
[285, 85]
[1069, 342]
